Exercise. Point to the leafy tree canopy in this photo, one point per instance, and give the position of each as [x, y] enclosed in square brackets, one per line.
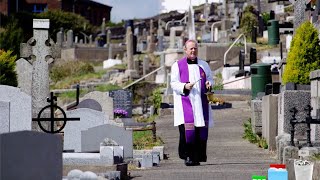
[304, 55]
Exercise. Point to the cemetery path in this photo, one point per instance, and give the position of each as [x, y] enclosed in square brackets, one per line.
[229, 156]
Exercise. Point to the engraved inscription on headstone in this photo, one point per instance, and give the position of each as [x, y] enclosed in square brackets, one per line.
[122, 99]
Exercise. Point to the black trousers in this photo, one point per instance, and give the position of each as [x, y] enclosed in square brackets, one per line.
[196, 151]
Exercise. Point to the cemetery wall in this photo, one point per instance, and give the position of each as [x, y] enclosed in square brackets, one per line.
[89, 54]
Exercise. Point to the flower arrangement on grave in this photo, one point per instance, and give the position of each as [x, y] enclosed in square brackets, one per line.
[120, 113]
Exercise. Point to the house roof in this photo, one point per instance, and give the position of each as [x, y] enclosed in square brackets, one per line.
[101, 2]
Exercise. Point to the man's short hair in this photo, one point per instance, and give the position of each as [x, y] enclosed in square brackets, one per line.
[190, 40]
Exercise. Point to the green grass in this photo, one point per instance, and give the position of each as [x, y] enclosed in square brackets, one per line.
[316, 157]
[146, 120]
[252, 137]
[107, 87]
[144, 140]
[72, 94]
[70, 80]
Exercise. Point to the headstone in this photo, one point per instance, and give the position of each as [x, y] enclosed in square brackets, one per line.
[5, 116]
[136, 64]
[288, 41]
[44, 52]
[168, 89]
[76, 39]
[60, 36]
[256, 116]
[72, 131]
[24, 74]
[287, 100]
[92, 137]
[103, 26]
[144, 34]
[253, 56]
[315, 102]
[270, 120]
[146, 62]
[15, 111]
[69, 39]
[172, 44]
[150, 39]
[160, 36]
[30, 155]
[91, 104]
[90, 39]
[105, 102]
[122, 99]
[216, 35]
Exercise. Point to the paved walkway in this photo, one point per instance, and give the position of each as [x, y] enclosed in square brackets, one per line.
[229, 156]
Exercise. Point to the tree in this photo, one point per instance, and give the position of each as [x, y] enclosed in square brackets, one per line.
[304, 55]
[11, 37]
[248, 21]
[8, 75]
[66, 20]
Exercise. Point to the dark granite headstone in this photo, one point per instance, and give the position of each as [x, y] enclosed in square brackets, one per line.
[268, 89]
[90, 104]
[122, 99]
[253, 56]
[290, 86]
[30, 155]
[276, 87]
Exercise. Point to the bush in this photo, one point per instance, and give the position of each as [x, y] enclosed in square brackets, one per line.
[303, 56]
[8, 75]
[70, 68]
[248, 21]
[11, 37]
[156, 99]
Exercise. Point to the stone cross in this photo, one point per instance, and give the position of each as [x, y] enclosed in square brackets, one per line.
[129, 40]
[33, 67]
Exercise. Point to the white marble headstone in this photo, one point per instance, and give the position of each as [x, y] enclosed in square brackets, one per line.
[19, 108]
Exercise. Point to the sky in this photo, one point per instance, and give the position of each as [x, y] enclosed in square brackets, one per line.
[130, 9]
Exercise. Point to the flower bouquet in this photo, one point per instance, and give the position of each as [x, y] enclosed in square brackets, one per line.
[120, 113]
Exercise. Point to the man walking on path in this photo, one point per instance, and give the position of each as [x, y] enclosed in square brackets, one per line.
[190, 79]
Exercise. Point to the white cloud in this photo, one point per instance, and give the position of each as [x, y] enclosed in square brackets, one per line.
[129, 9]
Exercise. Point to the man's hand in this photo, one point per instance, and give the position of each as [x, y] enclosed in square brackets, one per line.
[189, 86]
[208, 85]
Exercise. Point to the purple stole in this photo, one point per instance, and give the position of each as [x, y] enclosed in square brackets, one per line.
[187, 106]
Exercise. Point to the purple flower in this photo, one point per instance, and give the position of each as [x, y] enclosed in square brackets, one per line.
[120, 112]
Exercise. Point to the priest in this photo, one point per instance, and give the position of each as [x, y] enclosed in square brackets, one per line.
[191, 79]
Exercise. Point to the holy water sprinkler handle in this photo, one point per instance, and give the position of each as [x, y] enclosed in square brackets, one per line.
[197, 80]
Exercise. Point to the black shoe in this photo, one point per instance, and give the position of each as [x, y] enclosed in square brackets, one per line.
[196, 163]
[188, 162]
